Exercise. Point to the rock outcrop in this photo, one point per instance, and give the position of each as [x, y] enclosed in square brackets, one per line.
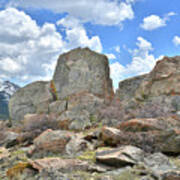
[33, 98]
[128, 87]
[74, 128]
[82, 70]
[162, 80]
[81, 82]
[151, 95]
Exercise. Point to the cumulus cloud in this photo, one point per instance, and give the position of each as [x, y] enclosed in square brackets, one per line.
[176, 40]
[153, 22]
[104, 12]
[111, 56]
[76, 35]
[29, 52]
[142, 62]
[117, 49]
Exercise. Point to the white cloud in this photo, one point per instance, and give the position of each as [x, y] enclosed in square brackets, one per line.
[153, 22]
[142, 62]
[117, 49]
[104, 12]
[76, 35]
[111, 56]
[29, 52]
[176, 40]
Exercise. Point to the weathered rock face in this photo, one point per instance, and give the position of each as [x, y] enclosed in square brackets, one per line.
[163, 80]
[161, 87]
[33, 98]
[125, 155]
[52, 141]
[81, 82]
[128, 87]
[82, 70]
[152, 95]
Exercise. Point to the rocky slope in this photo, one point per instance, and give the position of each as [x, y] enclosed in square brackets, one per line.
[75, 128]
[7, 89]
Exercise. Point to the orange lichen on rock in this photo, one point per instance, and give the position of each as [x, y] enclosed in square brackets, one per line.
[53, 90]
[17, 169]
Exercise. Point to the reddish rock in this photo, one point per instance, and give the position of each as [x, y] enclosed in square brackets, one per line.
[140, 125]
[53, 141]
[163, 79]
[119, 157]
[172, 175]
[65, 165]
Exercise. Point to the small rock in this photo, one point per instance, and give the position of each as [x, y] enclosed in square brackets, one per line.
[119, 157]
[53, 141]
[9, 139]
[63, 165]
[76, 145]
[140, 125]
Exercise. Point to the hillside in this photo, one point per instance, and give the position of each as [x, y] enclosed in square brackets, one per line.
[75, 128]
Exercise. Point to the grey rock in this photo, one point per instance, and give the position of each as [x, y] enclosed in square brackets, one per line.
[82, 70]
[158, 163]
[33, 98]
[128, 87]
[9, 139]
[76, 146]
[77, 120]
[120, 157]
[52, 141]
[58, 107]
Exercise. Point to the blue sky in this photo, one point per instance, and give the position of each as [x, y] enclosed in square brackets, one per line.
[134, 34]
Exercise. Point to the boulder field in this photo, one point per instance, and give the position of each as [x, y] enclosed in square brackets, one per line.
[75, 127]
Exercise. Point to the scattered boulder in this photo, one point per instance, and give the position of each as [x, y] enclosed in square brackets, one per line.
[8, 138]
[172, 175]
[140, 125]
[119, 157]
[76, 146]
[150, 124]
[168, 141]
[52, 141]
[158, 164]
[58, 164]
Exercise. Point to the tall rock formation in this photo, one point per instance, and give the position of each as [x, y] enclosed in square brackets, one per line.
[154, 94]
[80, 84]
[82, 70]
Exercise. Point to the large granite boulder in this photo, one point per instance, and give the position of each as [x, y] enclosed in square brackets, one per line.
[161, 87]
[163, 79]
[128, 87]
[33, 98]
[82, 70]
[152, 95]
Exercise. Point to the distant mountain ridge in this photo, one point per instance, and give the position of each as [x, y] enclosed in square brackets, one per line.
[7, 89]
